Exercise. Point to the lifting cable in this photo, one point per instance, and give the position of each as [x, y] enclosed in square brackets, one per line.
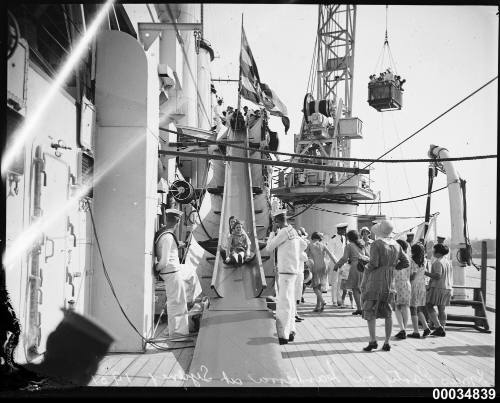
[468, 158]
[405, 140]
[404, 166]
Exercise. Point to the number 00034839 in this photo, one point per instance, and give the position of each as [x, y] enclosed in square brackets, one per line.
[464, 393]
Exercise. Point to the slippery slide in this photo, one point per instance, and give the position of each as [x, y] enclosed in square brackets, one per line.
[238, 287]
[237, 344]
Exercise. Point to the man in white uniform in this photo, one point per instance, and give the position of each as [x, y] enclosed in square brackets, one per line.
[337, 244]
[290, 247]
[166, 249]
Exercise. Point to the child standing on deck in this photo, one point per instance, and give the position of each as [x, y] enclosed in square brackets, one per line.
[440, 288]
[238, 245]
[317, 251]
[418, 264]
[403, 294]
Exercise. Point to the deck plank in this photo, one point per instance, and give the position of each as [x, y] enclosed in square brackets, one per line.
[107, 363]
[372, 376]
[176, 374]
[324, 356]
[328, 352]
[396, 372]
[114, 372]
[301, 369]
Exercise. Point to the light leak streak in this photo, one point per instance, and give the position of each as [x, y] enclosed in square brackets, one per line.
[24, 133]
[27, 239]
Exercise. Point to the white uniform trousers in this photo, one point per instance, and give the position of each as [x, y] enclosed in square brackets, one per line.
[335, 282]
[176, 304]
[298, 285]
[285, 305]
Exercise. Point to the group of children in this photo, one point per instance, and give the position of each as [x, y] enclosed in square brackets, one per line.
[420, 287]
[388, 75]
[426, 283]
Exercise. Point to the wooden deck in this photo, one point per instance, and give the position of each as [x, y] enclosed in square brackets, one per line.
[328, 352]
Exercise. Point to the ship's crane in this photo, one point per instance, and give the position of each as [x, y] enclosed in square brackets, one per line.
[323, 130]
[328, 125]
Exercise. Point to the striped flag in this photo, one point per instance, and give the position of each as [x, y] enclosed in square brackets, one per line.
[253, 90]
[274, 105]
[249, 75]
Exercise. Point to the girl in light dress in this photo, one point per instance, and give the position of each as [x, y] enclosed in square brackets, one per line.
[418, 267]
[440, 288]
[317, 251]
[403, 294]
[353, 252]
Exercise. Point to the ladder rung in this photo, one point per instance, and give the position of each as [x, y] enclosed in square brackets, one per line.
[465, 302]
[255, 211]
[465, 318]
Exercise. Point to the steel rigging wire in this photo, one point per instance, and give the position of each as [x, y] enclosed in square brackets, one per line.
[228, 144]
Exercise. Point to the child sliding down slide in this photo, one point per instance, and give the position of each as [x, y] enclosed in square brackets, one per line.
[238, 251]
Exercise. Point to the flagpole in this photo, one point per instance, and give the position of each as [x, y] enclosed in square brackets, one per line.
[239, 77]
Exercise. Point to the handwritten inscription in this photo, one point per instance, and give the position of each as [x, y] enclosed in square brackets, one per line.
[420, 376]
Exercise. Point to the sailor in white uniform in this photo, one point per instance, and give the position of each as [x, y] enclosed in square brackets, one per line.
[336, 244]
[290, 247]
[166, 249]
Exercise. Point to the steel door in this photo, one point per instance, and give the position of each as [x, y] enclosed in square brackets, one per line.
[53, 197]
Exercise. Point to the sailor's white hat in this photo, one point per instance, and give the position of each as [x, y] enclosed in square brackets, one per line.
[279, 212]
[174, 211]
[342, 225]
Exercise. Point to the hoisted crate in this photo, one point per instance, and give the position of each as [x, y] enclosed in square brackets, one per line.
[385, 96]
[385, 92]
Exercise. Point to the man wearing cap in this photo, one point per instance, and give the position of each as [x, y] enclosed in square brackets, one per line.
[410, 236]
[166, 249]
[337, 244]
[290, 247]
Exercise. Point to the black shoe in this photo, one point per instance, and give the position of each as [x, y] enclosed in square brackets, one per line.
[401, 335]
[292, 336]
[298, 318]
[414, 335]
[371, 346]
[386, 347]
[302, 300]
[439, 332]
[357, 312]
[282, 341]
[427, 332]
[298, 302]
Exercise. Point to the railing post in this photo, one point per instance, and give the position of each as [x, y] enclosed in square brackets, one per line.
[484, 268]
